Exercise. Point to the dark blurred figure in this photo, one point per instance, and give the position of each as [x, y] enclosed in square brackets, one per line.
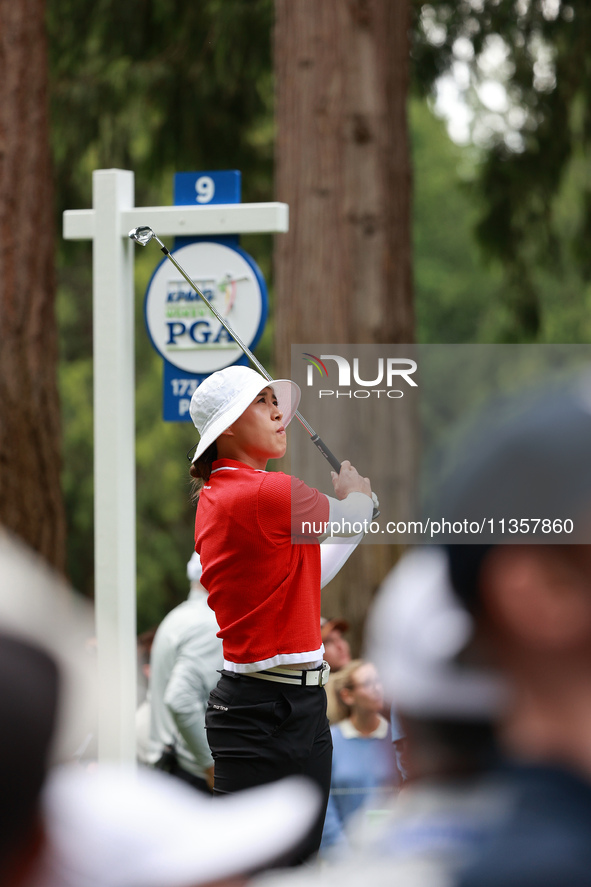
[28, 702]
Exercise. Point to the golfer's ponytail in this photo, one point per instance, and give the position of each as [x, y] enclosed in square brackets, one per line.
[200, 470]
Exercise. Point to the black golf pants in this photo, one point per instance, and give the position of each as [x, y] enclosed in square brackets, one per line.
[261, 731]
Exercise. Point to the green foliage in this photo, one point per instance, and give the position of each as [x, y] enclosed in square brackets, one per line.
[548, 78]
[154, 86]
[75, 379]
[455, 293]
[157, 86]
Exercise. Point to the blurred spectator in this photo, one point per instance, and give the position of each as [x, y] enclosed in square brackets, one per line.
[529, 593]
[186, 657]
[363, 768]
[114, 827]
[144, 651]
[336, 648]
[143, 712]
[338, 654]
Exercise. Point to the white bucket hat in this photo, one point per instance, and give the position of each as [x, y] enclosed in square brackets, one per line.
[225, 395]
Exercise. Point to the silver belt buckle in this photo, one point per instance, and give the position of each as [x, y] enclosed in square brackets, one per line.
[317, 677]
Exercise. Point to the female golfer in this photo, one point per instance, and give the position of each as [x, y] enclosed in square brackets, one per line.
[257, 535]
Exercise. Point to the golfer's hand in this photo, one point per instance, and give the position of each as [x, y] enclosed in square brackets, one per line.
[349, 481]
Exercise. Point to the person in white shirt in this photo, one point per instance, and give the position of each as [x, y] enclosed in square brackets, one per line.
[186, 657]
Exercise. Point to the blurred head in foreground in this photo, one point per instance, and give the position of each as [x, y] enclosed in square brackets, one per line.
[422, 642]
[28, 705]
[117, 828]
[46, 696]
[65, 826]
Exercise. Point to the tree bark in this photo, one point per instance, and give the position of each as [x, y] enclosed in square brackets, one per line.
[31, 503]
[343, 272]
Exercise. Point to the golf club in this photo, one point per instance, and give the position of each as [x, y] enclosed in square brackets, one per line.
[143, 235]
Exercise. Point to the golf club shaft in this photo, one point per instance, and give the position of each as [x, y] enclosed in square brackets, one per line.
[315, 438]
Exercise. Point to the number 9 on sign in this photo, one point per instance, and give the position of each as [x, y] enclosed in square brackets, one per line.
[205, 188]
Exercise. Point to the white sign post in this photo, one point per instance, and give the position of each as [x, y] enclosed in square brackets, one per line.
[107, 224]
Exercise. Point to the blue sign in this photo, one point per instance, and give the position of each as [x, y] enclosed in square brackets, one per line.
[204, 188]
[236, 287]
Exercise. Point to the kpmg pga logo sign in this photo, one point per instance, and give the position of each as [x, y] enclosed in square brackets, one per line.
[182, 328]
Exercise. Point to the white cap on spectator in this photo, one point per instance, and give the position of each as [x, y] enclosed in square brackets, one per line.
[115, 827]
[416, 629]
[194, 568]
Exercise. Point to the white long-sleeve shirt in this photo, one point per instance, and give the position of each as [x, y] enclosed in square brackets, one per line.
[185, 658]
[335, 551]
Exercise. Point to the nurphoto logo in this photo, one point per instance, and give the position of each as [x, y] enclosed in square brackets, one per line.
[391, 371]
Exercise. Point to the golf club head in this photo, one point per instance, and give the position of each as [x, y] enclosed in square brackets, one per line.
[141, 235]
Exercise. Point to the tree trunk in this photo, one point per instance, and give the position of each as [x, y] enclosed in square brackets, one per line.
[343, 272]
[31, 502]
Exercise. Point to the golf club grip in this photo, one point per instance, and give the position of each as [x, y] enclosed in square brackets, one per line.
[330, 457]
[317, 440]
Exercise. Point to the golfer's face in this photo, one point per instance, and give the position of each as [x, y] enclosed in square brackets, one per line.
[259, 431]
